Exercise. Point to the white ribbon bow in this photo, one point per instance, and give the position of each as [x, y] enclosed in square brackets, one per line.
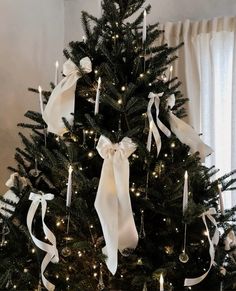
[212, 242]
[50, 249]
[62, 100]
[230, 240]
[153, 129]
[186, 134]
[113, 201]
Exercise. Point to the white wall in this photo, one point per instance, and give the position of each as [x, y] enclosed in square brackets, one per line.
[162, 11]
[31, 40]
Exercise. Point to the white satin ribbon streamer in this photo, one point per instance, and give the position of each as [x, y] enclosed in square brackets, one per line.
[212, 242]
[186, 134]
[113, 201]
[50, 249]
[153, 128]
[62, 100]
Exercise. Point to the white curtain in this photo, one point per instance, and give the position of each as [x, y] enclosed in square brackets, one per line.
[207, 68]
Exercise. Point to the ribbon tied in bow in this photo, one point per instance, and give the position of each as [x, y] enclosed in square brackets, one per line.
[153, 128]
[50, 249]
[186, 134]
[212, 242]
[62, 100]
[112, 202]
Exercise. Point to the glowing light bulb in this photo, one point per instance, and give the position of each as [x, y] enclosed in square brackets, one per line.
[119, 101]
[90, 154]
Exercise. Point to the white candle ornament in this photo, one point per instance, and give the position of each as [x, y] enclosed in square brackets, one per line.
[96, 109]
[69, 187]
[170, 74]
[40, 99]
[185, 194]
[221, 202]
[161, 283]
[56, 73]
[113, 203]
[83, 38]
[144, 26]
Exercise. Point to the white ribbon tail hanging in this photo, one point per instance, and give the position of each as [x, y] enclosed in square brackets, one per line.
[212, 242]
[112, 202]
[62, 100]
[50, 249]
[186, 134]
[153, 128]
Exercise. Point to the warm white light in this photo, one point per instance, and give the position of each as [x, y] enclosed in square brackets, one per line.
[161, 283]
[186, 175]
[205, 233]
[40, 89]
[90, 154]
[119, 101]
[123, 88]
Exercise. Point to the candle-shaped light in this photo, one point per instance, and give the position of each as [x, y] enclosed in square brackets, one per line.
[56, 72]
[171, 71]
[69, 187]
[221, 202]
[144, 26]
[185, 193]
[40, 99]
[83, 38]
[161, 283]
[96, 109]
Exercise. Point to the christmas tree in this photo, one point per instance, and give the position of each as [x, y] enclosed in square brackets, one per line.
[109, 191]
